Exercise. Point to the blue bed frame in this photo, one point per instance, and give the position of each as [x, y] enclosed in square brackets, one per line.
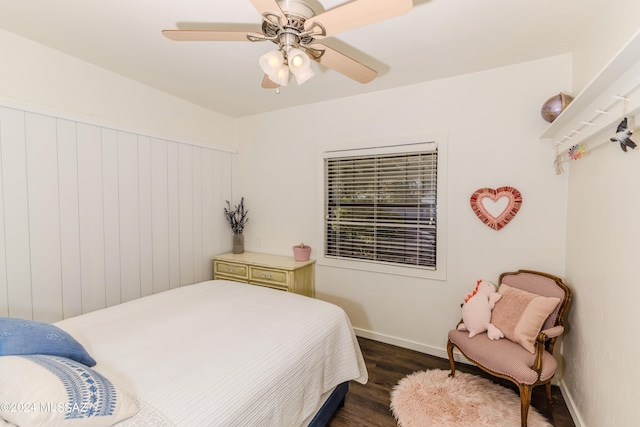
[330, 406]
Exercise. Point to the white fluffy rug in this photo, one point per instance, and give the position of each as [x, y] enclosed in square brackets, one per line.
[432, 398]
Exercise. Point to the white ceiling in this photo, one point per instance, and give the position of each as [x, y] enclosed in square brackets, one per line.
[438, 38]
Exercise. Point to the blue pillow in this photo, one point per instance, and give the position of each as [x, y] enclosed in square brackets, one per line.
[19, 336]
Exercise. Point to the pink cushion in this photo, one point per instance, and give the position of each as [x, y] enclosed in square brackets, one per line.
[503, 357]
[520, 314]
[540, 285]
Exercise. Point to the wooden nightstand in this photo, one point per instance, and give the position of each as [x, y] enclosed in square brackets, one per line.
[273, 271]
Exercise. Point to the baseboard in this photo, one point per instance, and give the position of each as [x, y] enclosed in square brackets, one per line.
[411, 345]
[568, 400]
[422, 348]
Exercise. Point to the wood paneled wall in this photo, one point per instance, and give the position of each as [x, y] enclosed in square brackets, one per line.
[92, 216]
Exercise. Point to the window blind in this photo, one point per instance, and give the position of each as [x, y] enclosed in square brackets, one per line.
[382, 208]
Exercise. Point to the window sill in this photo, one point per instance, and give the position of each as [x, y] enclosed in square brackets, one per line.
[383, 268]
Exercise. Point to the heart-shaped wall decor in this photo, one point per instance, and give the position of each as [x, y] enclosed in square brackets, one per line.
[514, 199]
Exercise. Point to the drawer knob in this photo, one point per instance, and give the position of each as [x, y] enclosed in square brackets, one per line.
[266, 276]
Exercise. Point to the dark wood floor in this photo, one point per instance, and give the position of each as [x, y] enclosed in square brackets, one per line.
[368, 405]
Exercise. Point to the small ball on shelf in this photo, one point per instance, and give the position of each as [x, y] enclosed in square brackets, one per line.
[555, 105]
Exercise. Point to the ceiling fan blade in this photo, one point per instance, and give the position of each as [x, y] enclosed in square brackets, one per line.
[208, 35]
[267, 6]
[357, 14]
[343, 64]
[267, 83]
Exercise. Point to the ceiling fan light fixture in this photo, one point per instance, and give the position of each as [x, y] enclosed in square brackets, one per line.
[281, 77]
[298, 60]
[271, 62]
[300, 65]
[303, 76]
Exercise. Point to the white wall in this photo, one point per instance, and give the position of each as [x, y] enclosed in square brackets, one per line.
[109, 190]
[616, 21]
[34, 74]
[493, 124]
[92, 216]
[603, 249]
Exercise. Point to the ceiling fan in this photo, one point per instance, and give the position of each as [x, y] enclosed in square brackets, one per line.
[296, 29]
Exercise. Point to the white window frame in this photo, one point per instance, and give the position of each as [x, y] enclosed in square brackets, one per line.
[399, 145]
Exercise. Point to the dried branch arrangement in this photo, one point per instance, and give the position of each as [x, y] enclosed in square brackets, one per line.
[237, 217]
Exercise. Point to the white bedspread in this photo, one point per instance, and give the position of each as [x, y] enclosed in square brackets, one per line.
[222, 353]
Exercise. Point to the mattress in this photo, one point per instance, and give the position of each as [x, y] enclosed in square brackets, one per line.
[222, 353]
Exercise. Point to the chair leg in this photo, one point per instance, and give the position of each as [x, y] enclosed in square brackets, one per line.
[452, 362]
[547, 388]
[525, 401]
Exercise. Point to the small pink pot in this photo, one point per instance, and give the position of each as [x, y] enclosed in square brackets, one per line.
[301, 253]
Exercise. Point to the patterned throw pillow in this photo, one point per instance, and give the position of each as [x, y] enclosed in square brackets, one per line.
[55, 391]
[520, 315]
[19, 336]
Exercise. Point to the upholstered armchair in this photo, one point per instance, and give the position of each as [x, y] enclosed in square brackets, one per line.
[530, 314]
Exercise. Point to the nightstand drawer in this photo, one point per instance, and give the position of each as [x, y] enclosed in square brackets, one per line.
[230, 270]
[274, 271]
[269, 276]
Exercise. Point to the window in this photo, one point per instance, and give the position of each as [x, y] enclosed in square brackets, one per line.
[381, 206]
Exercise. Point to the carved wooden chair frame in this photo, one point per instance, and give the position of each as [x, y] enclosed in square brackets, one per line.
[545, 340]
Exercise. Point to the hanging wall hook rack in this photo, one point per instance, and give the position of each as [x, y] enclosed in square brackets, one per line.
[595, 113]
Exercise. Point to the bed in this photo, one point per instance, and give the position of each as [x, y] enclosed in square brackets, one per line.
[221, 353]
